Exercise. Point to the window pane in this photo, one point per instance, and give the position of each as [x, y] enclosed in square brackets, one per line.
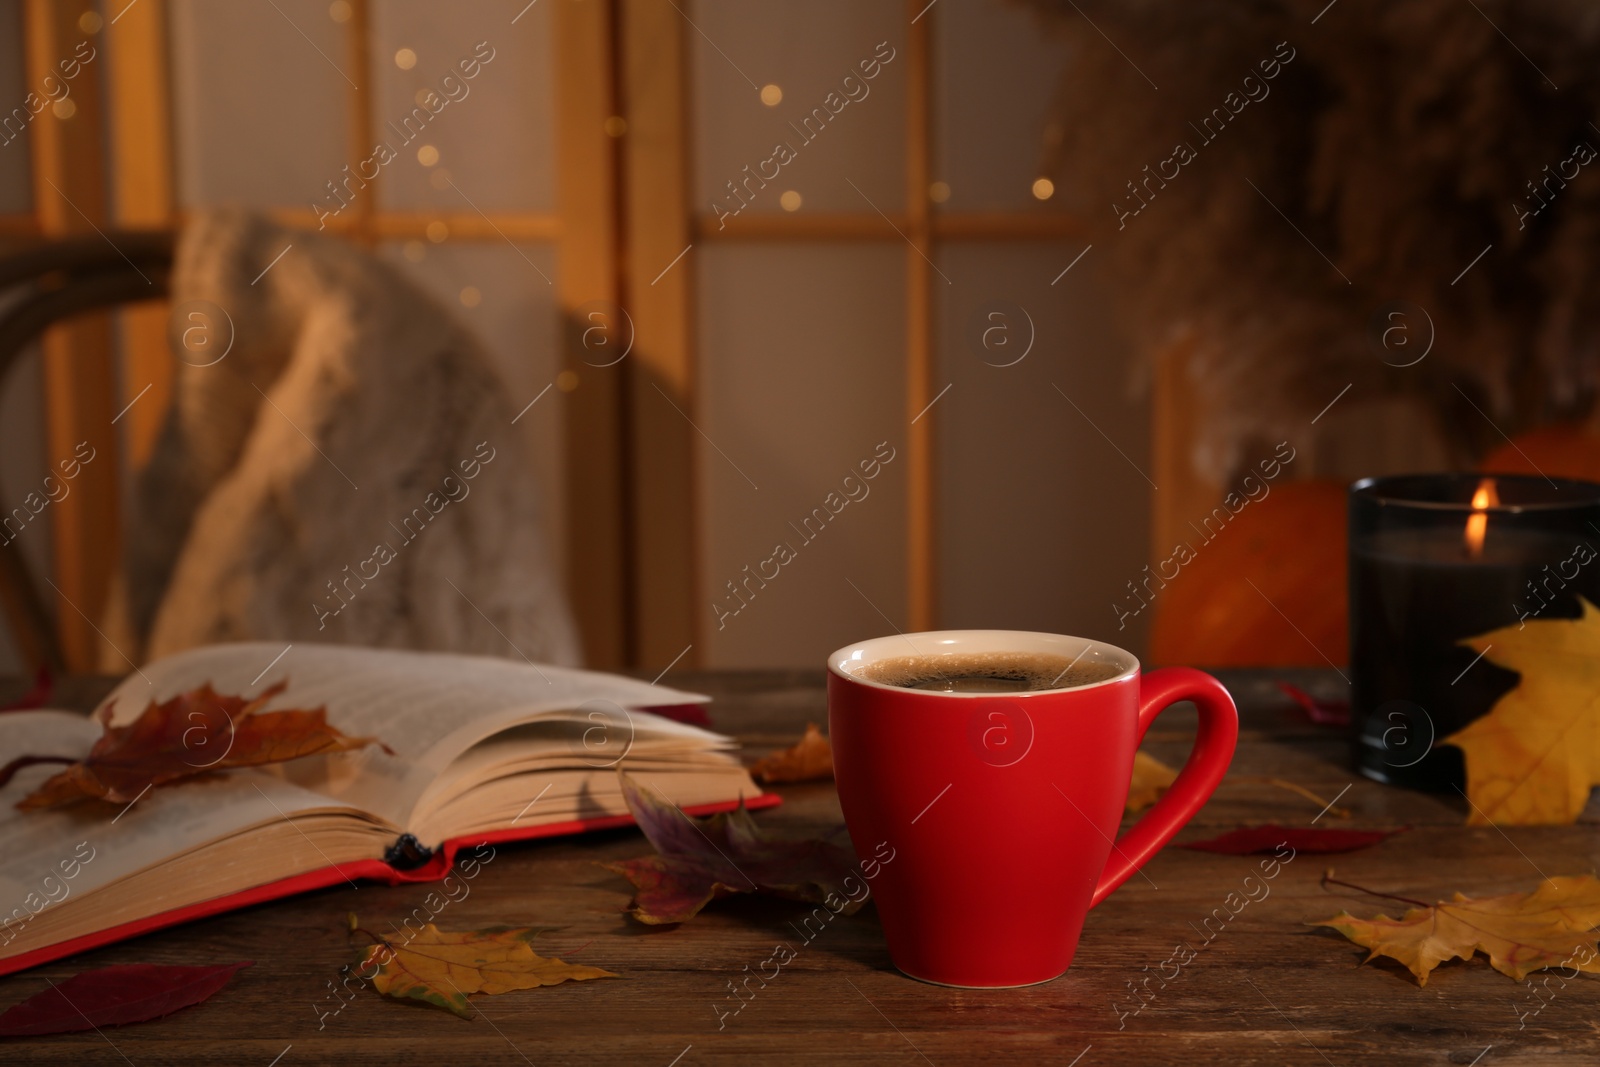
[261, 102]
[800, 378]
[1043, 505]
[840, 126]
[995, 75]
[491, 134]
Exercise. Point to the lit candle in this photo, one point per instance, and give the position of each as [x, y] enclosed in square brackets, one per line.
[1436, 559]
[1478, 522]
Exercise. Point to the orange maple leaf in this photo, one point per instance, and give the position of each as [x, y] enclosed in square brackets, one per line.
[811, 758]
[194, 733]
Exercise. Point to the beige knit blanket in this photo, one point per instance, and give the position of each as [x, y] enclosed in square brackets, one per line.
[347, 472]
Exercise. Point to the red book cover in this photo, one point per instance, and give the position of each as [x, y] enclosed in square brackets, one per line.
[436, 708]
[434, 868]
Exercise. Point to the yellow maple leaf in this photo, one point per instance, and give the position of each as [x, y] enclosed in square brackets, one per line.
[1536, 755]
[1553, 926]
[441, 967]
[1151, 778]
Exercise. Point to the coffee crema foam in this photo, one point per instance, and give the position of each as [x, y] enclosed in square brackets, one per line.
[987, 672]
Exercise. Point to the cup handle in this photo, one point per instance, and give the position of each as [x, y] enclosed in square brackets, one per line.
[1201, 774]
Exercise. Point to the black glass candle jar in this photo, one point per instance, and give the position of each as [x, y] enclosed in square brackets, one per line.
[1436, 559]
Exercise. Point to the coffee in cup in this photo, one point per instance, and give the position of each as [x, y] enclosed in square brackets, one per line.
[988, 672]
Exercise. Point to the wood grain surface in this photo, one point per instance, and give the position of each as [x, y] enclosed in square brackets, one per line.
[1266, 990]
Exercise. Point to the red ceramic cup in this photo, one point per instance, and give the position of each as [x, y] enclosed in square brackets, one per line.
[1001, 809]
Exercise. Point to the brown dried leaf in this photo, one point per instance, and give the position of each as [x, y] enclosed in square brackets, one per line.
[810, 759]
[698, 860]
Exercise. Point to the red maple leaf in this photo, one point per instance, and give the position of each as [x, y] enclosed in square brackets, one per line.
[1252, 839]
[194, 733]
[112, 996]
[1321, 712]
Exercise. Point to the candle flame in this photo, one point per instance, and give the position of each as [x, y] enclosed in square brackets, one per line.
[1478, 522]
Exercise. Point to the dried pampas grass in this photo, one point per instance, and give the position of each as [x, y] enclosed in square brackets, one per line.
[1402, 138]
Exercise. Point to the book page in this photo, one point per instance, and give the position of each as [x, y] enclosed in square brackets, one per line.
[560, 745]
[428, 707]
[535, 797]
[53, 855]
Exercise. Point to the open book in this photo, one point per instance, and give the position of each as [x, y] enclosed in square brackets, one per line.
[484, 750]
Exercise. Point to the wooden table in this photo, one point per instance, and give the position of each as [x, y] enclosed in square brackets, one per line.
[1267, 990]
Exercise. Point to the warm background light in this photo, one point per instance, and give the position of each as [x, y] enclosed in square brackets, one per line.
[771, 95]
[405, 59]
[1043, 188]
[790, 200]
